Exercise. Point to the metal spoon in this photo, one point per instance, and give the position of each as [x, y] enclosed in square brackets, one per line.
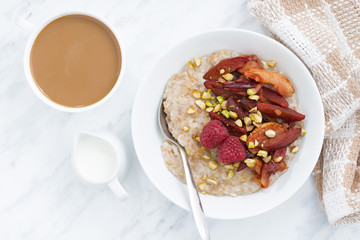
[195, 202]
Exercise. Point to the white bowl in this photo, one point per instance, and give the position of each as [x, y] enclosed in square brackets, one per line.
[147, 136]
[36, 89]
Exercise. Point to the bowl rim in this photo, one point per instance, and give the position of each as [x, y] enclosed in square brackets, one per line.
[321, 122]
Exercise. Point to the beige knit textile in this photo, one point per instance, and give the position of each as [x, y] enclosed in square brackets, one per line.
[325, 35]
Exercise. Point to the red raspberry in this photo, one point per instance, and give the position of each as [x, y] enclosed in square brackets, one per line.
[213, 134]
[231, 151]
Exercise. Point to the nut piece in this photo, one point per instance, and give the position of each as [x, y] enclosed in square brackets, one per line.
[271, 64]
[249, 128]
[190, 110]
[254, 97]
[236, 165]
[209, 104]
[233, 114]
[202, 186]
[225, 113]
[217, 108]
[278, 159]
[253, 110]
[223, 105]
[206, 157]
[238, 122]
[294, 149]
[197, 62]
[213, 164]
[211, 181]
[255, 117]
[267, 159]
[220, 99]
[200, 104]
[250, 162]
[228, 76]
[197, 138]
[196, 93]
[251, 145]
[262, 153]
[303, 132]
[206, 95]
[209, 109]
[270, 133]
[222, 71]
[251, 91]
[243, 138]
[188, 152]
[247, 121]
[256, 143]
[186, 129]
[230, 166]
[191, 65]
[230, 174]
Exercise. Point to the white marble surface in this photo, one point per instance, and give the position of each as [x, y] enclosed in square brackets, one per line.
[40, 198]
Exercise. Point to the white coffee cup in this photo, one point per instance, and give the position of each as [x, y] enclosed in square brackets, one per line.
[100, 159]
[35, 32]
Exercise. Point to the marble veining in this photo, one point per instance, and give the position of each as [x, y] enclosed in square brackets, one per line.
[40, 196]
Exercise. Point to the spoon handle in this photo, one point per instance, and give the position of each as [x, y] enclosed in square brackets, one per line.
[195, 202]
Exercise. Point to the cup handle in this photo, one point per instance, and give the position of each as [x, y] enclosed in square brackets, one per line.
[25, 24]
[117, 189]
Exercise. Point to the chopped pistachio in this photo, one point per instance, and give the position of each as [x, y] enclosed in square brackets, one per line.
[236, 165]
[212, 97]
[223, 105]
[202, 186]
[243, 138]
[262, 153]
[197, 61]
[253, 110]
[278, 159]
[228, 76]
[233, 114]
[225, 113]
[204, 177]
[239, 123]
[267, 159]
[206, 157]
[230, 174]
[211, 181]
[186, 129]
[251, 91]
[256, 143]
[255, 117]
[270, 133]
[209, 109]
[206, 95]
[222, 71]
[191, 65]
[188, 152]
[249, 128]
[230, 166]
[209, 104]
[247, 121]
[254, 97]
[294, 149]
[217, 108]
[200, 104]
[271, 64]
[220, 99]
[251, 145]
[250, 162]
[196, 93]
[213, 164]
[303, 132]
[190, 110]
[197, 138]
[257, 124]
